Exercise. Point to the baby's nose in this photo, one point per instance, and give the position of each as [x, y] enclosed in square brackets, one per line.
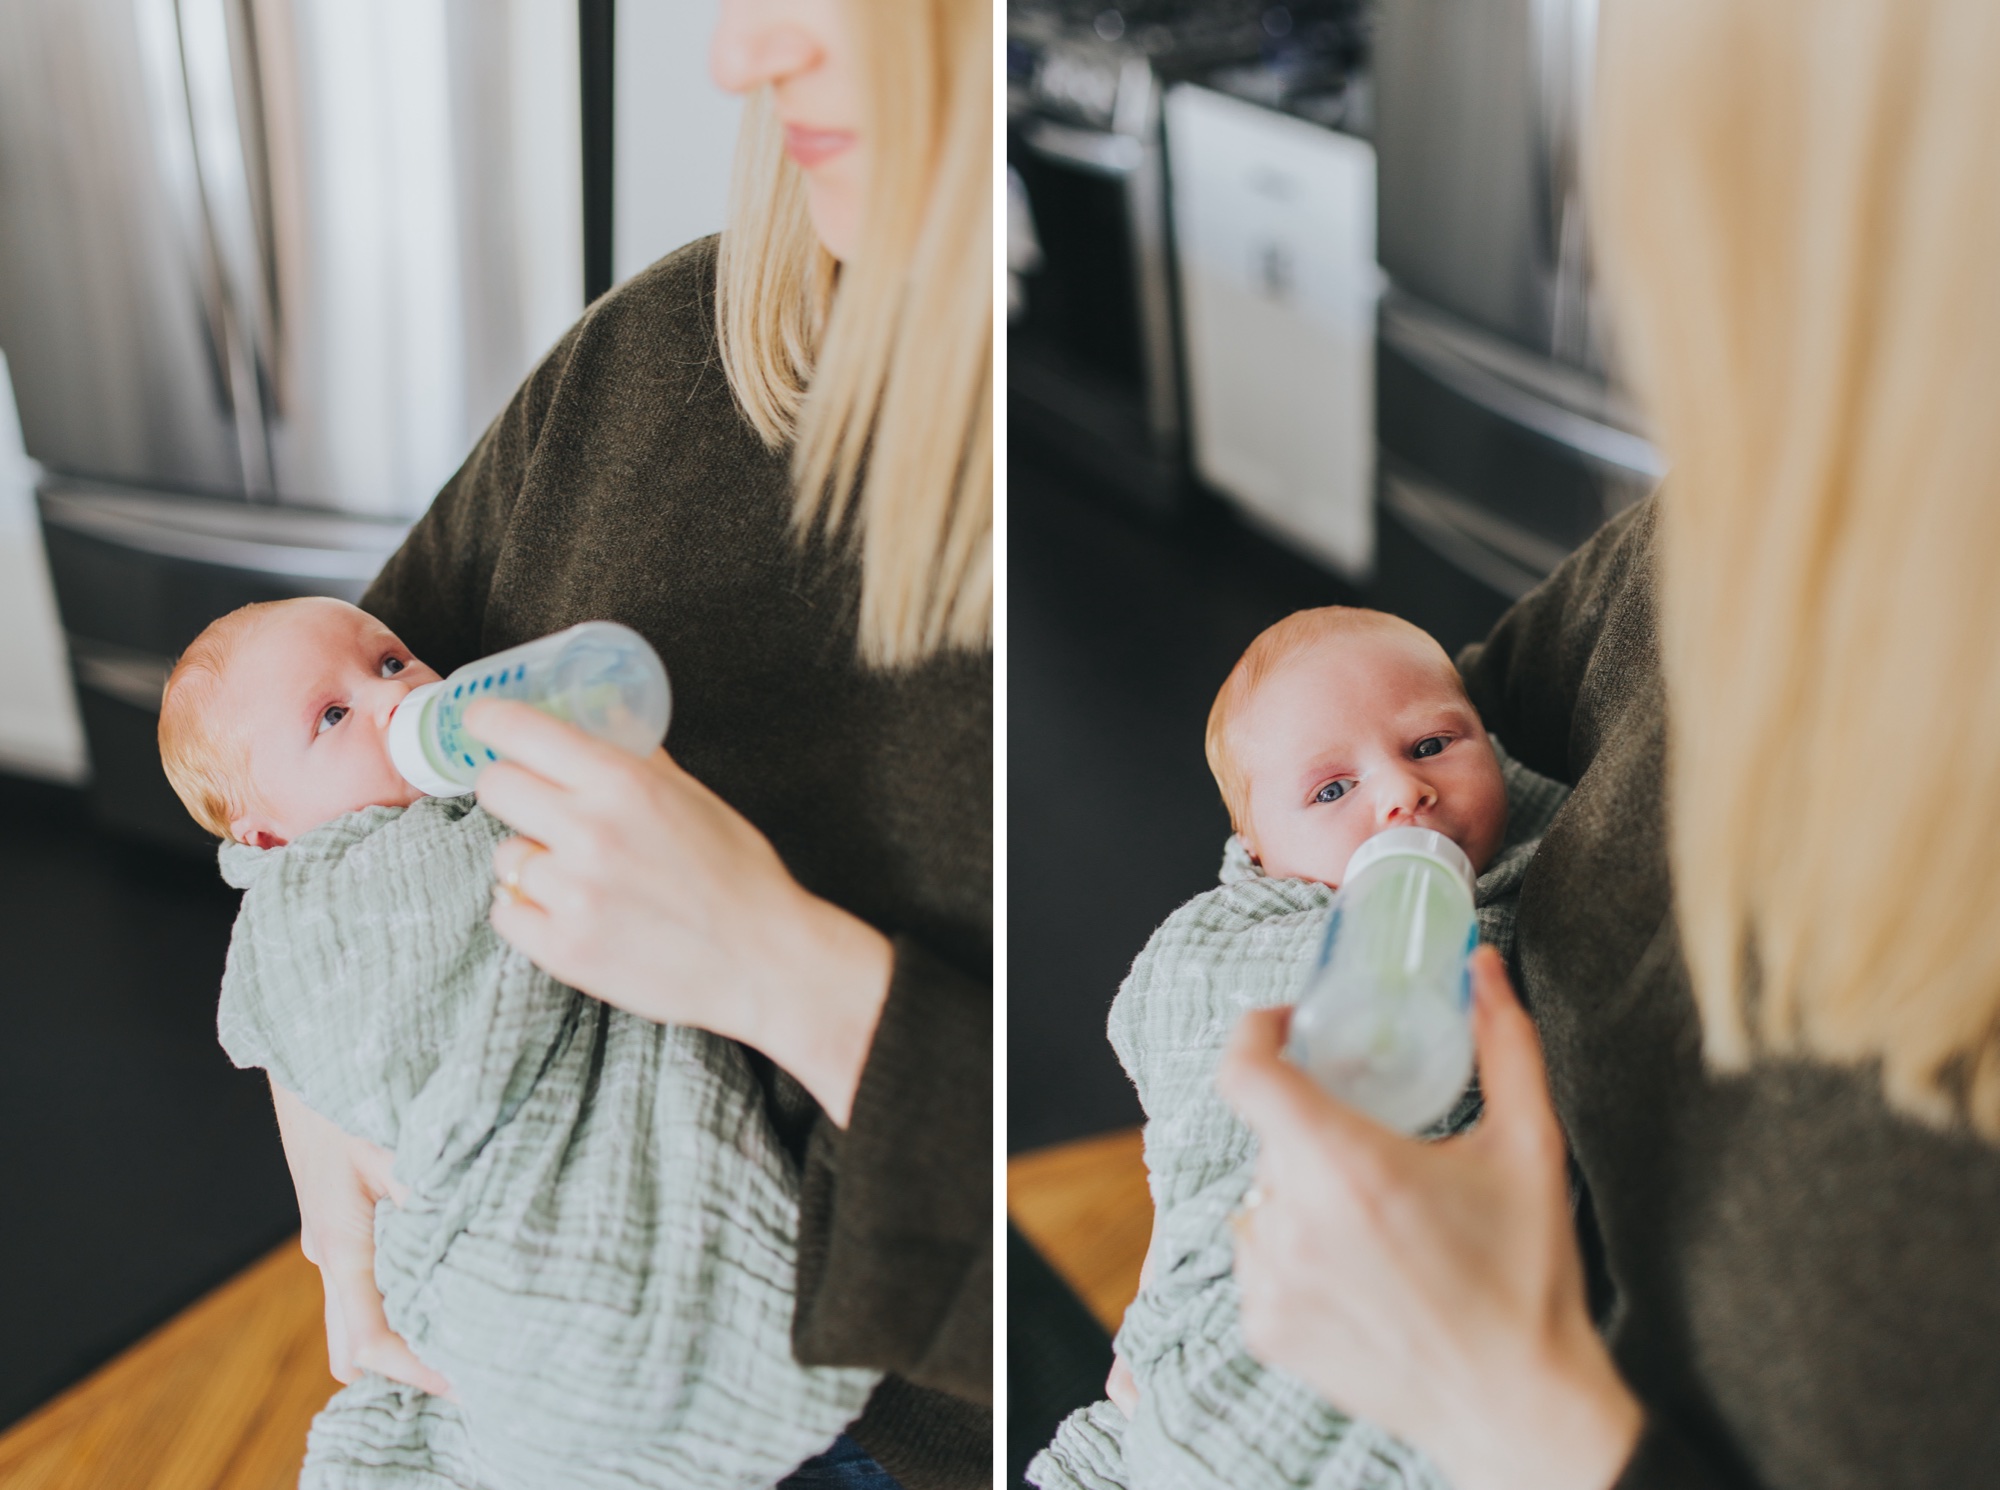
[1405, 794]
[383, 699]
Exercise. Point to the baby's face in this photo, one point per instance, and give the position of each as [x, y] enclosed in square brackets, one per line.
[309, 691]
[1361, 733]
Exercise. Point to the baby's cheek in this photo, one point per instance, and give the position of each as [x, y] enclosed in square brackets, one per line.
[1490, 818]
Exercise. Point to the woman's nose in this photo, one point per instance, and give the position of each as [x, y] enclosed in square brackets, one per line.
[755, 43]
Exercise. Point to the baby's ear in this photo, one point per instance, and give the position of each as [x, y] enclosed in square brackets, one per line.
[242, 831]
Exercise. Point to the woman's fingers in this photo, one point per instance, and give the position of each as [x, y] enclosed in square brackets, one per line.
[1512, 1075]
[1282, 1104]
[558, 752]
[531, 805]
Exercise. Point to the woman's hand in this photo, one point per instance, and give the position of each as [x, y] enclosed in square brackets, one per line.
[1432, 1288]
[638, 885]
[339, 1179]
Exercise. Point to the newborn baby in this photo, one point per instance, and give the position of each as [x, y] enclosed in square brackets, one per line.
[1336, 724]
[599, 1242]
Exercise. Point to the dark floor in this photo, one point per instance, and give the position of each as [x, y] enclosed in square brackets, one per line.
[137, 1167]
[1057, 1355]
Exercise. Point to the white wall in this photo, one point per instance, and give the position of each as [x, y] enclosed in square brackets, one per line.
[675, 132]
[39, 731]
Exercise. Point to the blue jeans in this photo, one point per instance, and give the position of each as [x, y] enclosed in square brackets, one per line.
[844, 1466]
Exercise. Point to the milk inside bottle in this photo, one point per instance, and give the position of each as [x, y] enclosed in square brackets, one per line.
[601, 677]
[1385, 1021]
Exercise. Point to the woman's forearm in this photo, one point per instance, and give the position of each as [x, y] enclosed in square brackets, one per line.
[829, 980]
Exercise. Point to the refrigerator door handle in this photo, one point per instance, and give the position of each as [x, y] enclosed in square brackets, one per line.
[260, 40]
[1565, 41]
[1501, 554]
[214, 35]
[158, 37]
[323, 548]
[1446, 357]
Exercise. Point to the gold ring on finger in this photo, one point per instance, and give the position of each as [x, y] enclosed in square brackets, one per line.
[509, 884]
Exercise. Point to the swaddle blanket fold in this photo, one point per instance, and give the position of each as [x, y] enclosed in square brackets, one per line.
[1209, 1416]
[598, 1248]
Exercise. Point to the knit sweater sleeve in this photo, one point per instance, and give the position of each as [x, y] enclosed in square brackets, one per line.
[896, 1244]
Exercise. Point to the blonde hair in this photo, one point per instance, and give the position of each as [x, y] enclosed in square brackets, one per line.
[1276, 645]
[208, 768]
[1799, 215]
[884, 389]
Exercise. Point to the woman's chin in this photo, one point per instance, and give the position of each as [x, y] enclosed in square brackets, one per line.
[835, 210]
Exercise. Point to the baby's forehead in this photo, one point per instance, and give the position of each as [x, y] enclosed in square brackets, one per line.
[310, 625]
[1388, 648]
[1343, 687]
[275, 651]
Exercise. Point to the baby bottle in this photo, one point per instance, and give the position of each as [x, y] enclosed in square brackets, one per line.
[601, 677]
[1385, 1022]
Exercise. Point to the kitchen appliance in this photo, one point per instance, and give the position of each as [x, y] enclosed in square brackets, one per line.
[267, 267]
[1274, 247]
[1503, 440]
[1093, 347]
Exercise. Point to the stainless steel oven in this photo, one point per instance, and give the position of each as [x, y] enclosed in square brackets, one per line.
[1091, 354]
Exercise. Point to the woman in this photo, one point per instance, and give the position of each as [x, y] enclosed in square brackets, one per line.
[1780, 1081]
[810, 873]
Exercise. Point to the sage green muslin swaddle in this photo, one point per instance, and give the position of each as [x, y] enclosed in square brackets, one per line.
[599, 1244]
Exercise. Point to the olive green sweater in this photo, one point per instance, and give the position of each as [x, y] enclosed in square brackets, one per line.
[1799, 1284]
[623, 483]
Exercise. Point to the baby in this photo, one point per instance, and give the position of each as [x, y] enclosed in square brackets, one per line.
[600, 1235]
[1336, 724]
[276, 719]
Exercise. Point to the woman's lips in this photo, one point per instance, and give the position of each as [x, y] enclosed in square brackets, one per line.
[812, 147]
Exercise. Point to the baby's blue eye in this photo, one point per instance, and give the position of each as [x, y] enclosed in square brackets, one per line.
[333, 715]
[392, 665]
[1427, 748]
[1333, 791]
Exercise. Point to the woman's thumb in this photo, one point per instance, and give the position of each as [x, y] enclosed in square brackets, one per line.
[1512, 1077]
[1278, 1101]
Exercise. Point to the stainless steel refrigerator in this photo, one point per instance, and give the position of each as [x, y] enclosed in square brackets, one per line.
[267, 267]
[1503, 439]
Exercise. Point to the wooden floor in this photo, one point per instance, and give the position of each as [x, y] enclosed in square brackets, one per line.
[218, 1398]
[1086, 1208]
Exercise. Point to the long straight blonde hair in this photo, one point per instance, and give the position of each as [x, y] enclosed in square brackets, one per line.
[1799, 213]
[883, 385]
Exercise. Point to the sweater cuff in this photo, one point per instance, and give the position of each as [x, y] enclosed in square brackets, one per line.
[1662, 1460]
[896, 1213]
